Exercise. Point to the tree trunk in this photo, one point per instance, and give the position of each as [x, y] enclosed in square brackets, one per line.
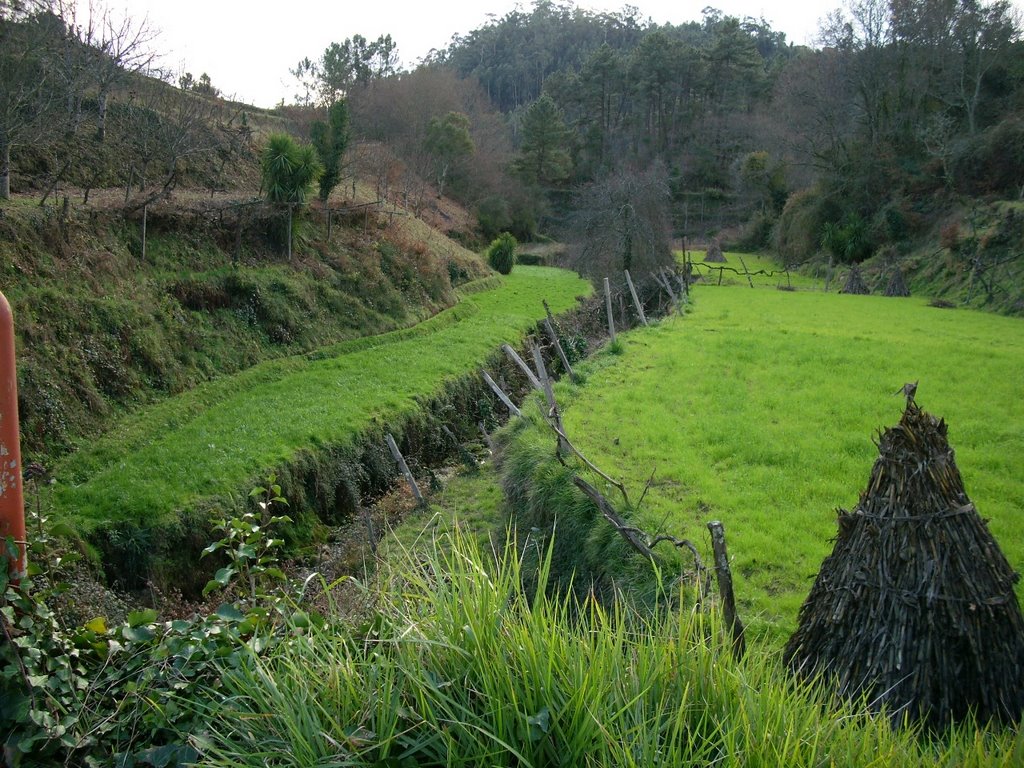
[101, 121]
[5, 170]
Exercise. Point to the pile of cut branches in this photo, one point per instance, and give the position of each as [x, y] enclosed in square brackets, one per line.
[915, 606]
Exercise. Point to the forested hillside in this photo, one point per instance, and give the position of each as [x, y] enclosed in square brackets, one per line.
[897, 138]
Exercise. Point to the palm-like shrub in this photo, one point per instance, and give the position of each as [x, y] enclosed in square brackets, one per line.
[289, 169]
[502, 253]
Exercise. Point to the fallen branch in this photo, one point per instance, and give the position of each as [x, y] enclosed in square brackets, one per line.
[566, 443]
[625, 531]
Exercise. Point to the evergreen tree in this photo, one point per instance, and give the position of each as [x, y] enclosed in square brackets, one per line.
[331, 139]
[543, 158]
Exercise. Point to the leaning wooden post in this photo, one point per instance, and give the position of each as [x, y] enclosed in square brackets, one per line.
[665, 281]
[501, 395]
[487, 438]
[397, 454]
[608, 307]
[522, 366]
[746, 272]
[558, 348]
[724, 576]
[549, 394]
[12, 500]
[636, 299]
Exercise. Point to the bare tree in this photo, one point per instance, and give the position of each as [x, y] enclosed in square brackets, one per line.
[26, 92]
[119, 47]
[622, 222]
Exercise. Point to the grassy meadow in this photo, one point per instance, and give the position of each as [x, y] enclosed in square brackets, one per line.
[759, 409]
[218, 439]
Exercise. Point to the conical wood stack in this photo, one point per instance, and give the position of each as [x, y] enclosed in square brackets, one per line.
[855, 282]
[915, 607]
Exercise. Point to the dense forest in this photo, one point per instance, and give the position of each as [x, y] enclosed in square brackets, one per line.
[904, 123]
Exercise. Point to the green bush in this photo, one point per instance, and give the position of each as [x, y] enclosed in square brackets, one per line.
[502, 253]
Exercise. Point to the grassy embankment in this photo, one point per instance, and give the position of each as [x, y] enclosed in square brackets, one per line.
[102, 331]
[198, 449]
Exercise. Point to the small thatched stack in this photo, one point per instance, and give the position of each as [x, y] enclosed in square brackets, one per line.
[855, 283]
[897, 285]
[915, 606]
[714, 253]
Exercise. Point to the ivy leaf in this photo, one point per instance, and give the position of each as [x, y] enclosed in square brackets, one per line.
[138, 634]
[539, 724]
[138, 618]
[229, 612]
[97, 625]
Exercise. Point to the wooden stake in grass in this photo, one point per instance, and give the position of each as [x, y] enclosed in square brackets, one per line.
[558, 347]
[724, 576]
[549, 394]
[636, 299]
[608, 307]
[665, 282]
[487, 438]
[397, 454]
[501, 395]
[746, 272]
[371, 536]
[522, 366]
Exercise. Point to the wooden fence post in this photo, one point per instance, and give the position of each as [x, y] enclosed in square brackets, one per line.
[397, 454]
[724, 576]
[558, 348]
[608, 307]
[12, 500]
[636, 299]
[549, 394]
[501, 395]
[522, 366]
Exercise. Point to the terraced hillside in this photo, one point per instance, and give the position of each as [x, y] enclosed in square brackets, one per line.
[153, 480]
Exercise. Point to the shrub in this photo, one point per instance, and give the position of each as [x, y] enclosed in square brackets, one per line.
[502, 253]
[493, 216]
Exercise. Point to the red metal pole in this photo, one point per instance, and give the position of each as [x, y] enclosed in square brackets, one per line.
[12, 502]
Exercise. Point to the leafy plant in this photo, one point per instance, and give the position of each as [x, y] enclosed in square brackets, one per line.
[289, 169]
[502, 253]
[331, 139]
[102, 694]
[848, 239]
[250, 546]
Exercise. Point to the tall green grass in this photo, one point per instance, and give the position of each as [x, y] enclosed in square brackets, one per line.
[759, 408]
[457, 666]
[216, 440]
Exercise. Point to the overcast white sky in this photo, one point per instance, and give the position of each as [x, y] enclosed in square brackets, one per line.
[248, 47]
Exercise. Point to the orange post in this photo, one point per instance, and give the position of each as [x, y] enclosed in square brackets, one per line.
[12, 501]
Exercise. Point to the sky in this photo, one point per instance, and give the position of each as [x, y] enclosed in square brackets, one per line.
[247, 48]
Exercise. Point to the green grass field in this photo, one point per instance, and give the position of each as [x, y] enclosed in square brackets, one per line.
[220, 437]
[759, 409]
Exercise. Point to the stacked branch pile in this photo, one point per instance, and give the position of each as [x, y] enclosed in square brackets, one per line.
[915, 608]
